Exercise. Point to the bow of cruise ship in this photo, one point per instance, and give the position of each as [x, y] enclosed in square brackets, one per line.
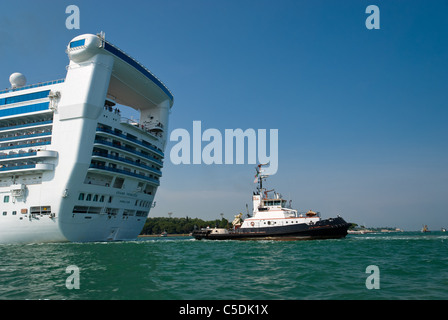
[72, 168]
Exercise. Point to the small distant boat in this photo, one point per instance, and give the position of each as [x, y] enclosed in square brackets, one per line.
[164, 234]
[443, 230]
[359, 231]
[425, 228]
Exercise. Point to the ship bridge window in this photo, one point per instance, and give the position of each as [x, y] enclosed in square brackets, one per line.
[77, 43]
[6, 199]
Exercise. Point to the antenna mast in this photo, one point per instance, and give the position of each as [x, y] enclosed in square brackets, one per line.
[259, 177]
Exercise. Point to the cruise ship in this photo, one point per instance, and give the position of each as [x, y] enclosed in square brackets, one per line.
[72, 167]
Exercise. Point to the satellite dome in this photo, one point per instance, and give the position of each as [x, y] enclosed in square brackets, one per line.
[17, 80]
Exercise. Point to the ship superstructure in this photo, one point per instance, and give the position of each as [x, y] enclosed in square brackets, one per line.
[71, 166]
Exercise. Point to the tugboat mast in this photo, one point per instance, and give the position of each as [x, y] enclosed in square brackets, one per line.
[260, 177]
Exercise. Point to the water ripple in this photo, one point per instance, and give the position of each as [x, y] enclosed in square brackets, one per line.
[412, 266]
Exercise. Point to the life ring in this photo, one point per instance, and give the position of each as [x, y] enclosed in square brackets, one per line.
[252, 224]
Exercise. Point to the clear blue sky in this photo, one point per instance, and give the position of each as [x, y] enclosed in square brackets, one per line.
[362, 114]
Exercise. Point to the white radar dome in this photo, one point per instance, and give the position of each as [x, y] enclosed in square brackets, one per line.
[17, 80]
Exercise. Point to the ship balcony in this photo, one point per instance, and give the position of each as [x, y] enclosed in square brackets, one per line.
[34, 167]
[24, 136]
[153, 130]
[23, 123]
[95, 167]
[31, 154]
[102, 131]
[25, 144]
[135, 164]
[101, 142]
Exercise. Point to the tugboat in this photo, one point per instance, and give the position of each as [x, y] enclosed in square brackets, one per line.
[273, 219]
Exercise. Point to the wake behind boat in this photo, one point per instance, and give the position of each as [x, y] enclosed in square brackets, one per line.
[272, 219]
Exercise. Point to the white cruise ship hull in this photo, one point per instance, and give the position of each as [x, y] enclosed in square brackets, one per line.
[71, 167]
[34, 231]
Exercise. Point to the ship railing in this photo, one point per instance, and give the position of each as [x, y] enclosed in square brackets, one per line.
[40, 84]
[33, 135]
[26, 145]
[140, 143]
[31, 124]
[28, 166]
[101, 167]
[38, 166]
[146, 156]
[17, 155]
[152, 125]
[145, 128]
[106, 155]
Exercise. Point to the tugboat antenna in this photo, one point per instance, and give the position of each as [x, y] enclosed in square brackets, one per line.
[260, 177]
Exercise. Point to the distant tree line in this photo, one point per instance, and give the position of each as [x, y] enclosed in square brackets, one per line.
[355, 226]
[180, 225]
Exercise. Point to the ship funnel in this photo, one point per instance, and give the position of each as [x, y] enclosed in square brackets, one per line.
[17, 80]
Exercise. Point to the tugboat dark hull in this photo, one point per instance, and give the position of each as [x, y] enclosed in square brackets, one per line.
[333, 228]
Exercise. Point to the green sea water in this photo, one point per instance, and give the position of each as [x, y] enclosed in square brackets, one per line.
[410, 266]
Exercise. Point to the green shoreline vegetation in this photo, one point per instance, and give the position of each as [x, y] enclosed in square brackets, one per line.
[155, 226]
